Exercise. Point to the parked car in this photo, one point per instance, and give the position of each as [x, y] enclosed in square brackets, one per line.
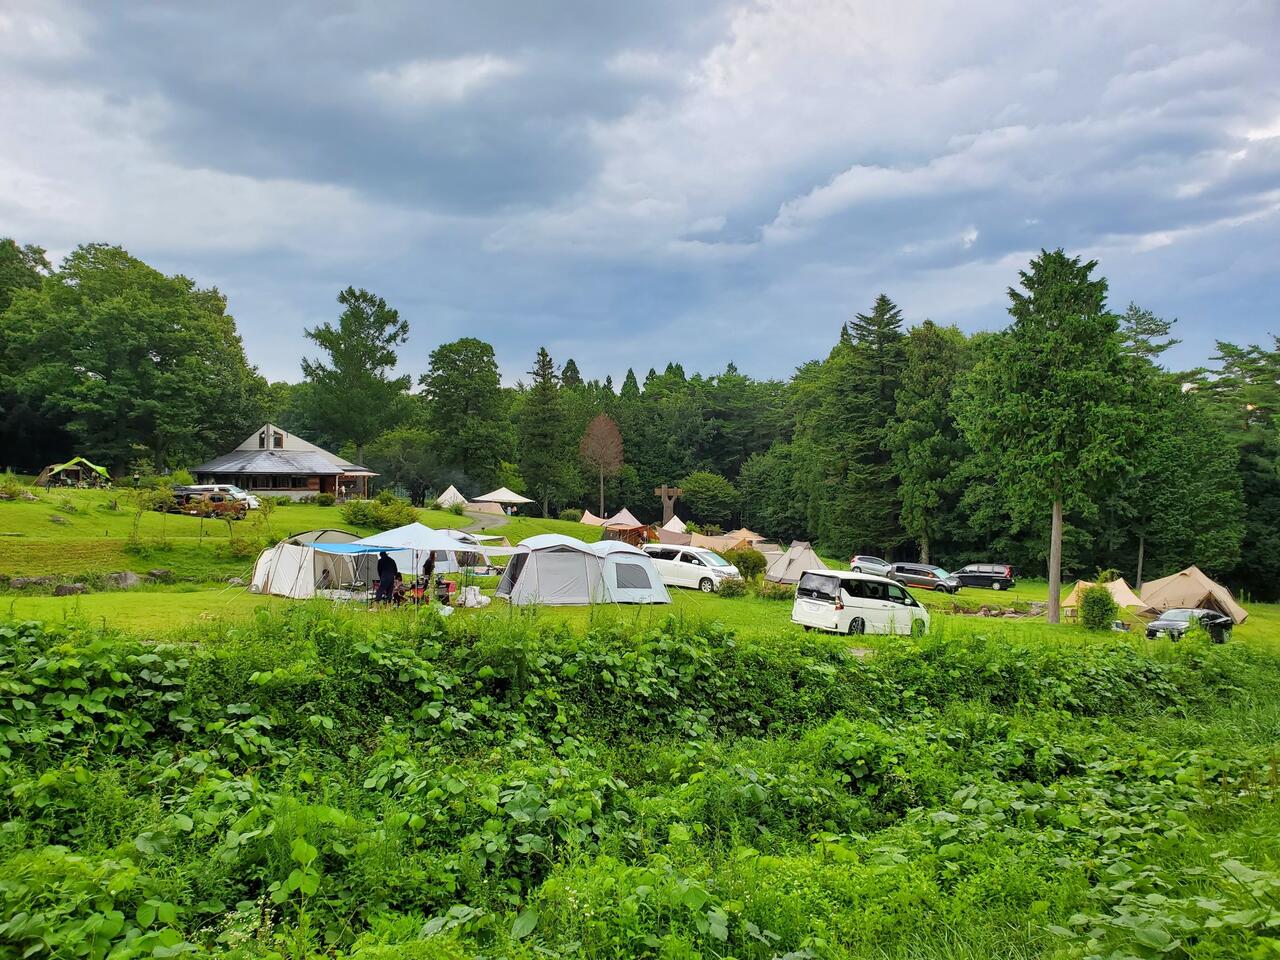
[863, 564]
[1174, 623]
[250, 501]
[694, 567]
[997, 576]
[925, 576]
[200, 504]
[848, 602]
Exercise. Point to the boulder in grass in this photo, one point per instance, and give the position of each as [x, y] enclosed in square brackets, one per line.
[69, 589]
[25, 583]
[124, 580]
[164, 576]
[235, 581]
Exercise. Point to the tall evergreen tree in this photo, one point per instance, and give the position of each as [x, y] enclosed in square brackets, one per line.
[546, 459]
[1050, 398]
[466, 411]
[570, 377]
[355, 396]
[923, 439]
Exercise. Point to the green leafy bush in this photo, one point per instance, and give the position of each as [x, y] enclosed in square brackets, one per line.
[383, 513]
[750, 563]
[325, 499]
[1097, 607]
[733, 587]
[457, 509]
[182, 477]
[571, 515]
[768, 590]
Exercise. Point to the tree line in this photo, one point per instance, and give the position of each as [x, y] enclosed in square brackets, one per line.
[1060, 436]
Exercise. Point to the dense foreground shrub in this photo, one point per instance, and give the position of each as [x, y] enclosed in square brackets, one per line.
[314, 782]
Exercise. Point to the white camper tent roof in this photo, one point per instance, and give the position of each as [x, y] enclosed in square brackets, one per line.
[327, 535]
[450, 497]
[798, 558]
[675, 525]
[300, 571]
[556, 570]
[503, 495]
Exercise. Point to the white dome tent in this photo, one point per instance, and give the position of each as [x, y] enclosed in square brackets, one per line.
[556, 570]
[300, 571]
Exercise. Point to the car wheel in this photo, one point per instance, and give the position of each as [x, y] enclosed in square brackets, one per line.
[997, 585]
[941, 588]
[856, 625]
[807, 628]
[706, 586]
[917, 628]
[855, 569]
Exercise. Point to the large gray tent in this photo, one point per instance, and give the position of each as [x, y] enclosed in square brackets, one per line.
[789, 566]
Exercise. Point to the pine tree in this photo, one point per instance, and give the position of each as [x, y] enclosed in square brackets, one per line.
[545, 457]
[924, 442]
[570, 378]
[1050, 400]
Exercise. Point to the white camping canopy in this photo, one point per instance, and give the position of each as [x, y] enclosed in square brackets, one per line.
[503, 495]
[299, 571]
[798, 558]
[409, 546]
[629, 574]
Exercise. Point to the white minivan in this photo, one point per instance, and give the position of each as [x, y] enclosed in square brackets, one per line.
[845, 602]
[694, 567]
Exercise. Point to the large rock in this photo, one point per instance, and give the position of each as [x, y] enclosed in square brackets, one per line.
[25, 583]
[160, 574]
[69, 589]
[235, 581]
[124, 580]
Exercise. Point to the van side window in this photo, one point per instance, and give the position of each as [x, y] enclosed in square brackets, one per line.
[690, 558]
[871, 590]
[896, 593]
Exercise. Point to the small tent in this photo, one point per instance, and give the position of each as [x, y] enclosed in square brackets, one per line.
[450, 497]
[718, 544]
[1191, 588]
[76, 470]
[1120, 591]
[629, 574]
[675, 525]
[591, 520]
[300, 571]
[623, 518]
[798, 558]
[742, 533]
[476, 506]
[674, 538]
[554, 570]
[503, 496]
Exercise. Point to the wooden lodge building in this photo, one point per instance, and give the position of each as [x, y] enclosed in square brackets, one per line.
[277, 463]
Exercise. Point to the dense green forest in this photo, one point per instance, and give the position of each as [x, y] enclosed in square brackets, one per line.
[910, 441]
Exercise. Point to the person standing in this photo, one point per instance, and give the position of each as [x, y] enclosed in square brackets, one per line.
[386, 577]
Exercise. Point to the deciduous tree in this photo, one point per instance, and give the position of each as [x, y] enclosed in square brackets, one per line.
[601, 449]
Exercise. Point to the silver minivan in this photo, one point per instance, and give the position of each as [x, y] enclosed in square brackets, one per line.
[841, 601]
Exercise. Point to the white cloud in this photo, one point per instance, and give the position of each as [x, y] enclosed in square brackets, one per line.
[427, 82]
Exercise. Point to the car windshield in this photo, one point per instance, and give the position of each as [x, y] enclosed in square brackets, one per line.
[938, 572]
[1178, 616]
[714, 560]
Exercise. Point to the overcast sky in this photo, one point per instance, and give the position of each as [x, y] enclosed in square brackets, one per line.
[629, 183]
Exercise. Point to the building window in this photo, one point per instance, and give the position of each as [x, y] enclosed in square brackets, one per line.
[277, 440]
[262, 440]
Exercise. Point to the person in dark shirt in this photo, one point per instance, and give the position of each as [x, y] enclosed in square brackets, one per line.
[386, 577]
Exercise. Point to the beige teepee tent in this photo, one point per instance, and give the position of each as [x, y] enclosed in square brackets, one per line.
[798, 558]
[450, 497]
[591, 520]
[1120, 591]
[1191, 588]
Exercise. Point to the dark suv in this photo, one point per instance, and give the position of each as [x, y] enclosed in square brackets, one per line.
[925, 576]
[997, 576]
